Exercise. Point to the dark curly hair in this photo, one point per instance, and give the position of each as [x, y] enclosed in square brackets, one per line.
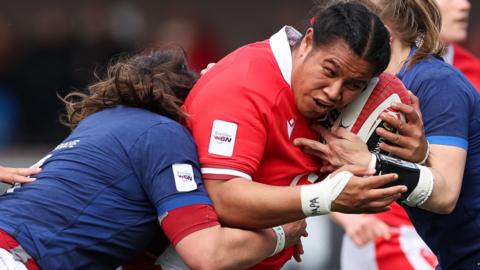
[157, 80]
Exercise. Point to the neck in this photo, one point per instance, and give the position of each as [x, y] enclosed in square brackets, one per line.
[399, 56]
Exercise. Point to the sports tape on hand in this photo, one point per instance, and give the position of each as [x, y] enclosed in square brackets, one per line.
[317, 198]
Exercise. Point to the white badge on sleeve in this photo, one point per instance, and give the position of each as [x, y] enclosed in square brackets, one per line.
[222, 139]
[184, 178]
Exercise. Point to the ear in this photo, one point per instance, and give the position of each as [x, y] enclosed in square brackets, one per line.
[391, 34]
[307, 43]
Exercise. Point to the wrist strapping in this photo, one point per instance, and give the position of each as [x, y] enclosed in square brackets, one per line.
[423, 190]
[417, 178]
[317, 198]
[280, 233]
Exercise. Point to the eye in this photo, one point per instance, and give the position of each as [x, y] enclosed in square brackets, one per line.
[356, 86]
[329, 72]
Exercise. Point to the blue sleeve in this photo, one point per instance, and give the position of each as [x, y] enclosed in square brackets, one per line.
[165, 161]
[446, 105]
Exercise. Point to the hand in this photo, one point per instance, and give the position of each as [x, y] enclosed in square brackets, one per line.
[298, 251]
[17, 175]
[293, 233]
[205, 70]
[364, 192]
[341, 148]
[410, 142]
[365, 228]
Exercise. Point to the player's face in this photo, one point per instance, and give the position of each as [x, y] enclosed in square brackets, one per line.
[327, 77]
[454, 19]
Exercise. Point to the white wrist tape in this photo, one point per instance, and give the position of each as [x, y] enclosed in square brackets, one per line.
[317, 198]
[280, 233]
[423, 190]
[373, 162]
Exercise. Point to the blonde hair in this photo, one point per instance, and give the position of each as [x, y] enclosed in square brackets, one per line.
[413, 21]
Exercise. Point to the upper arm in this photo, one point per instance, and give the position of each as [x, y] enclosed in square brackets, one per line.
[446, 105]
[229, 130]
[165, 162]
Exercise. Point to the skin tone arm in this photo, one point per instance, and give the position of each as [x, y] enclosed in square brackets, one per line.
[446, 163]
[246, 204]
[17, 175]
[362, 228]
[226, 248]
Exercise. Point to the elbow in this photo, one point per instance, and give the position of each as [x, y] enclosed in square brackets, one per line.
[446, 206]
[209, 260]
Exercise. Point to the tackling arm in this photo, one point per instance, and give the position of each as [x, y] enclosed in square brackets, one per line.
[247, 204]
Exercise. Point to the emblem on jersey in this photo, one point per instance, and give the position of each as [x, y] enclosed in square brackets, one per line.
[222, 139]
[184, 178]
[290, 126]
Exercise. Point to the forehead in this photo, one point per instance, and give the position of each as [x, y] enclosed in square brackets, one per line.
[339, 55]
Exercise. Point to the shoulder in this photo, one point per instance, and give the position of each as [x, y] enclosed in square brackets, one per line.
[432, 76]
[249, 71]
[127, 125]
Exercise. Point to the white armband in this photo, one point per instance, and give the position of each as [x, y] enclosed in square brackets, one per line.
[423, 190]
[317, 198]
[280, 233]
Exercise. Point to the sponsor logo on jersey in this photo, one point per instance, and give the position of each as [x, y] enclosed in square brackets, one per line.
[222, 138]
[184, 178]
[67, 145]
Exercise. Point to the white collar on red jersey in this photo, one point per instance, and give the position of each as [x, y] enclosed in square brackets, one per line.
[280, 43]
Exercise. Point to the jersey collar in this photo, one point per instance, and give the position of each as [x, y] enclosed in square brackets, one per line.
[280, 44]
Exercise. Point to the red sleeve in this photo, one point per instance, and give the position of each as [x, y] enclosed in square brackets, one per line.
[468, 64]
[183, 221]
[228, 120]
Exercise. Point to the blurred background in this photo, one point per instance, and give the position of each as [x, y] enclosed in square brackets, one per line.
[48, 48]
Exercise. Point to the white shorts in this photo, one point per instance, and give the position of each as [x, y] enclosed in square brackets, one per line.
[404, 251]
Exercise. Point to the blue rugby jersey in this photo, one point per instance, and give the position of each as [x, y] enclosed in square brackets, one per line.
[451, 114]
[102, 190]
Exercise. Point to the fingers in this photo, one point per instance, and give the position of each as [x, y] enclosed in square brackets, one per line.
[22, 171]
[205, 70]
[410, 113]
[356, 170]
[393, 138]
[415, 104]
[378, 181]
[17, 175]
[298, 251]
[311, 144]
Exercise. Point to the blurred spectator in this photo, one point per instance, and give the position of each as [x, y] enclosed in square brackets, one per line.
[455, 15]
[43, 72]
[194, 35]
[93, 43]
[8, 101]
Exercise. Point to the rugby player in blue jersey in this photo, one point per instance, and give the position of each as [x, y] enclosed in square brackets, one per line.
[127, 166]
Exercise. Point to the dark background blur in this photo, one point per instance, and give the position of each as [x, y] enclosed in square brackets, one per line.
[48, 48]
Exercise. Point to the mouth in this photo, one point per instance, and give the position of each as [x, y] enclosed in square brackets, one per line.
[322, 105]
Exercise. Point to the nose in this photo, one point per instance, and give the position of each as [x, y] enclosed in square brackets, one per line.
[334, 90]
[465, 5]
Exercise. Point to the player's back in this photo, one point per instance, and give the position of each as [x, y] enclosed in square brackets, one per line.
[88, 202]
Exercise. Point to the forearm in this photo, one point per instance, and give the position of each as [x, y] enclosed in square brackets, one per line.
[447, 166]
[246, 204]
[226, 248]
